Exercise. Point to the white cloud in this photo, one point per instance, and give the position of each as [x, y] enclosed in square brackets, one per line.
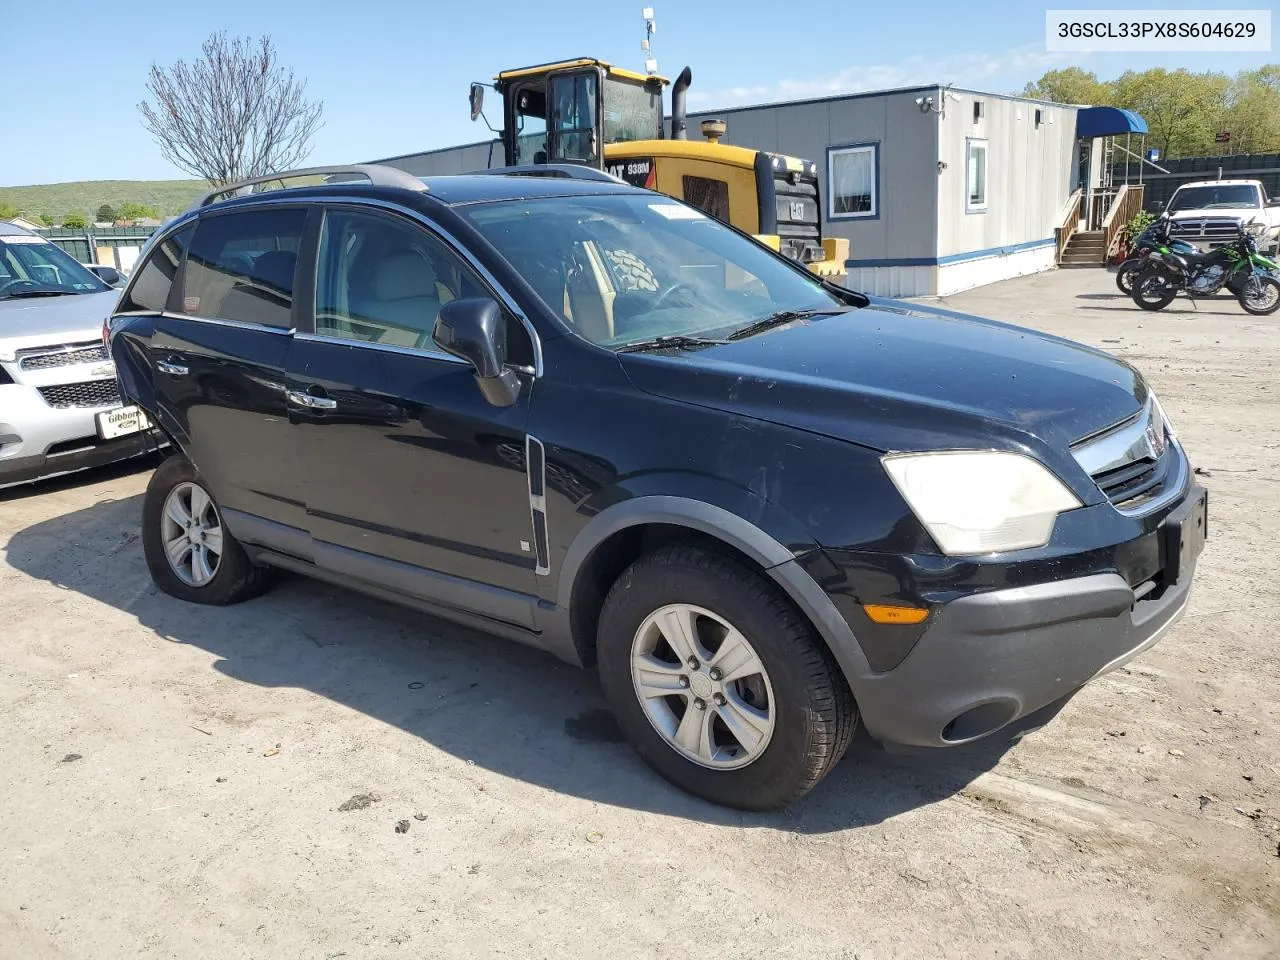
[1005, 72]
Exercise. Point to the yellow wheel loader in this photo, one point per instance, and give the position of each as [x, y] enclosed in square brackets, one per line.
[590, 112]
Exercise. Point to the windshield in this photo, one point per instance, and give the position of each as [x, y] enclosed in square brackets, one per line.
[30, 264]
[626, 268]
[1207, 198]
[631, 112]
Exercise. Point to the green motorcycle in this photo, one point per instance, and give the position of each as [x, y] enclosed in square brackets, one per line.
[1238, 266]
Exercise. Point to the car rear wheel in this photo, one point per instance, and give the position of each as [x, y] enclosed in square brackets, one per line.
[189, 551]
[719, 683]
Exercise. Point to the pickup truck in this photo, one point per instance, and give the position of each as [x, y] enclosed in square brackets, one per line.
[1209, 213]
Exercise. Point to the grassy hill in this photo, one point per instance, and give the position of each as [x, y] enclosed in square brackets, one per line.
[85, 196]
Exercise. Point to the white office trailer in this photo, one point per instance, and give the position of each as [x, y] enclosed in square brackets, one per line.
[938, 189]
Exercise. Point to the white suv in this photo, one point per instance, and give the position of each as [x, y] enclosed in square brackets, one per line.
[60, 408]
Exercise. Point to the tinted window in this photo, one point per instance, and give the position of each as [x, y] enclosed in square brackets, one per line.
[149, 290]
[382, 280]
[241, 266]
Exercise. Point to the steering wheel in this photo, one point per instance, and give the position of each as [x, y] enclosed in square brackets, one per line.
[15, 282]
[666, 294]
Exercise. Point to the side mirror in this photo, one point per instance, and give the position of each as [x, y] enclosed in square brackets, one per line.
[475, 330]
[477, 101]
[108, 275]
[1274, 202]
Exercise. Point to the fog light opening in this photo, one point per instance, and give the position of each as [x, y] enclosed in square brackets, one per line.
[979, 721]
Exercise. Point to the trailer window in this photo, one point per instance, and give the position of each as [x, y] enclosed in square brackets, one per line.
[853, 173]
[976, 176]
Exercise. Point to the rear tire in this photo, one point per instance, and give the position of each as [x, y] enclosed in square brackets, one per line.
[189, 550]
[799, 708]
[1268, 299]
[1152, 292]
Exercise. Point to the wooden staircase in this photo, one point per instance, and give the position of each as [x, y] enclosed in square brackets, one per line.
[1086, 248]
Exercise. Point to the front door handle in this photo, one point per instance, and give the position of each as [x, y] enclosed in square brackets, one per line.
[310, 401]
[172, 369]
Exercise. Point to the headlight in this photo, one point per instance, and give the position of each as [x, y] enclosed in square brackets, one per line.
[980, 501]
[1258, 229]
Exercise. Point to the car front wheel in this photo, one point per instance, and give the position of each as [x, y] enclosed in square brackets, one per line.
[189, 551]
[718, 681]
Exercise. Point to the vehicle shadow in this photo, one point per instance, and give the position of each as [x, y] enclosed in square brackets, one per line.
[510, 709]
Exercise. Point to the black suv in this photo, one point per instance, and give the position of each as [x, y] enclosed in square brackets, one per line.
[590, 418]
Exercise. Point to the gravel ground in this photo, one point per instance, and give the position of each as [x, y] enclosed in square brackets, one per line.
[317, 775]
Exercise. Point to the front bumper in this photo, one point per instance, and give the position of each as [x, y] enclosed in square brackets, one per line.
[989, 659]
[37, 440]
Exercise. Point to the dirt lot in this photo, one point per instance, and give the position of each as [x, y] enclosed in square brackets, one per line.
[174, 777]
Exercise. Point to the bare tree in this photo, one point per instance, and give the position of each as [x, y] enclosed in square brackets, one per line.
[234, 112]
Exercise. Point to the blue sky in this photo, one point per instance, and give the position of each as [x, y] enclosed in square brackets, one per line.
[393, 75]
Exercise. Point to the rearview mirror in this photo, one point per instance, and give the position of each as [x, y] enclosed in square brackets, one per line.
[475, 330]
[477, 100]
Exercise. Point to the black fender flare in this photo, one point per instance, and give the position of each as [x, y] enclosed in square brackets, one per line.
[777, 561]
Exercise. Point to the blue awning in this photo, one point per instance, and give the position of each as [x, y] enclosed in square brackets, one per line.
[1107, 122]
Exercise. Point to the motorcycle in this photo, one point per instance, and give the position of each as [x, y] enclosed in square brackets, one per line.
[1238, 266]
[1154, 237]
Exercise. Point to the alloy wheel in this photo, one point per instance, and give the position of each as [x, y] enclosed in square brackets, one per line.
[191, 532]
[702, 686]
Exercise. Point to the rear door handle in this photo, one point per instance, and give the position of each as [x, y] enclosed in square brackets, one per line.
[310, 401]
[172, 369]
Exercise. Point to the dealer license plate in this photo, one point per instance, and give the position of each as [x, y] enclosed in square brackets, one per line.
[121, 421]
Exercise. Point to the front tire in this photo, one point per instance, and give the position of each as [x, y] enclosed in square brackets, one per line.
[1260, 296]
[1152, 292]
[189, 550]
[719, 683]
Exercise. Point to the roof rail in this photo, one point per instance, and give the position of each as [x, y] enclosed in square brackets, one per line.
[378, 174]
[572, 171]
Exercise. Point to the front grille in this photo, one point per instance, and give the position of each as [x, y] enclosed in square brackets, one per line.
[42, 358]
[1124, 486]
[1209, 232]
[91, 393]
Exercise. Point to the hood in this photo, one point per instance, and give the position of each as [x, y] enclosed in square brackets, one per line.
[49, 321]
[897, 376]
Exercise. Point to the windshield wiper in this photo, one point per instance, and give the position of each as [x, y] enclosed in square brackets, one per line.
[781, 317]
[36, 293]
[668, 340]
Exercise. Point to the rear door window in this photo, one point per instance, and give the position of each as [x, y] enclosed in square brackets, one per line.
[241, 266]
[149, 290]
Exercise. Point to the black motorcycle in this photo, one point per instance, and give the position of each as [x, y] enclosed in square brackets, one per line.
[1155, 236]
[1238, 266]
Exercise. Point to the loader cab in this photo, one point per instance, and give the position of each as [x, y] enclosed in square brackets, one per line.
[566, 112]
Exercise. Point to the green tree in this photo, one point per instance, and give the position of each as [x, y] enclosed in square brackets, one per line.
[106, 214]
[1252, 114]
[1182, 109]
[46, 219]
[1070, 85]
[75, 220]
[8, 211]
[137, 211]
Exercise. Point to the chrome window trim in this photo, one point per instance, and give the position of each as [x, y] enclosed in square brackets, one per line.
[220, 321]
[453, 245]
[385, 347]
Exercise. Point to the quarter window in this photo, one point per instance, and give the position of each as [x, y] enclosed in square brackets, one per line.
[149, 291]
[241, 266]
[853, 173]
[976, 176]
